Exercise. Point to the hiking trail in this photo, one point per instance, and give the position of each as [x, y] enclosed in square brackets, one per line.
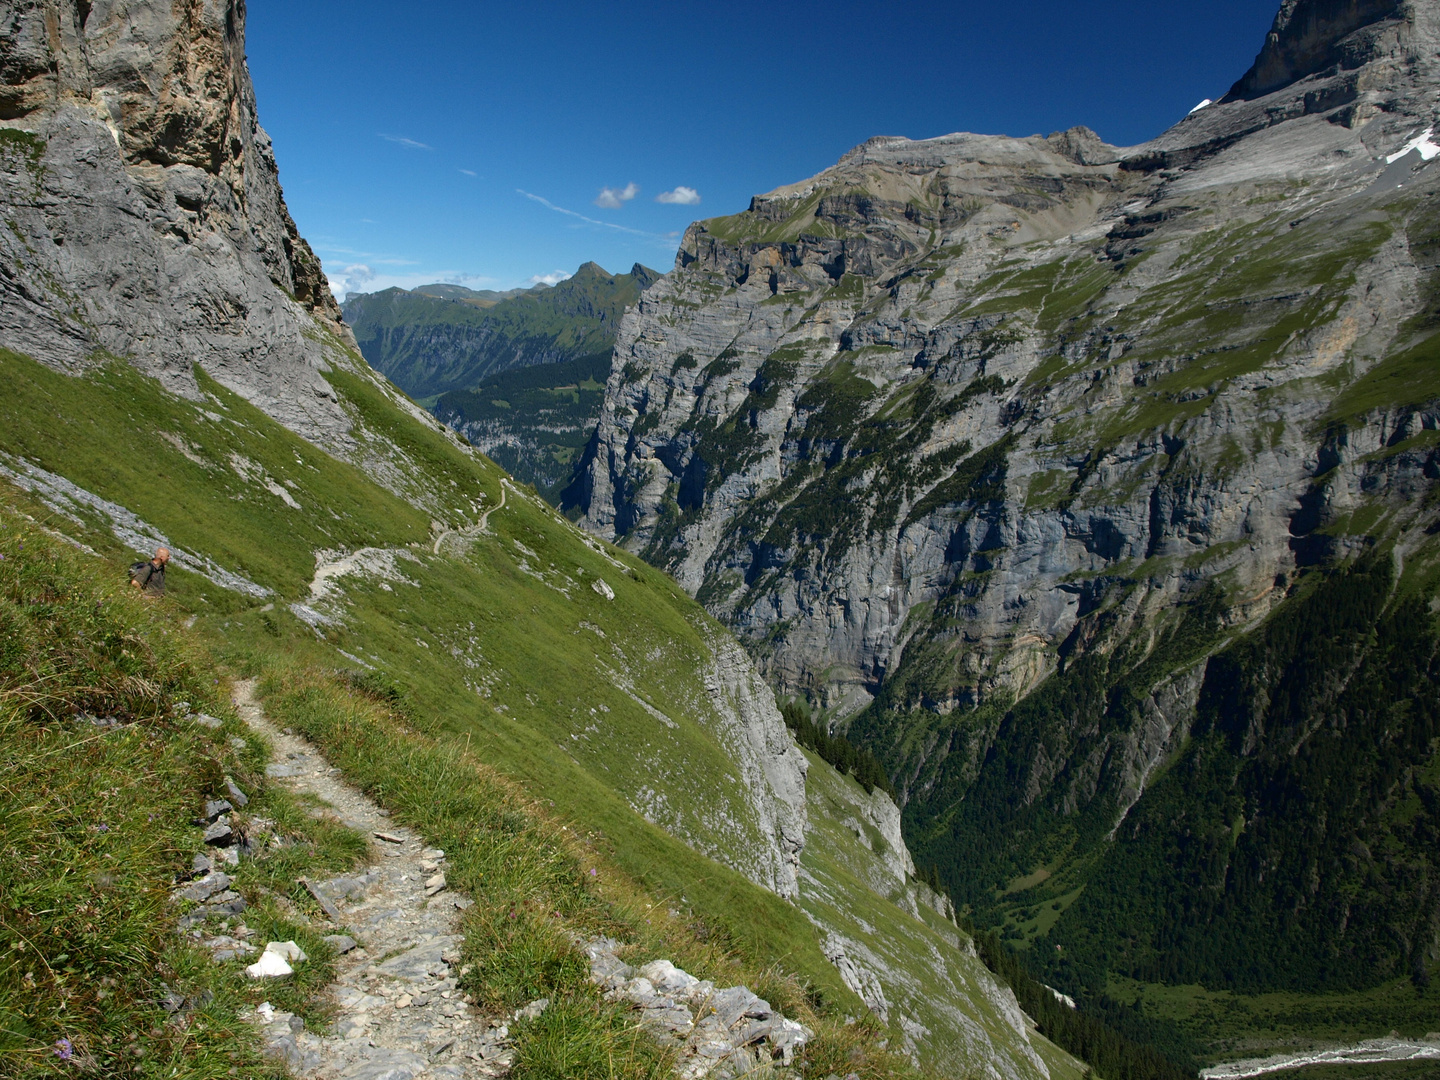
[476, 529]
[401, 1018]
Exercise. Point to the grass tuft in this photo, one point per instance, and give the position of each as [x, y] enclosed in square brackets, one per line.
[585, 1038]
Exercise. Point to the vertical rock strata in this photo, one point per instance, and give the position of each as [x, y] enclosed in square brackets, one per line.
[143, 211]
[771, 765]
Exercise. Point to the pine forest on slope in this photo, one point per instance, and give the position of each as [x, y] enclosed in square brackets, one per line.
[1092, 489]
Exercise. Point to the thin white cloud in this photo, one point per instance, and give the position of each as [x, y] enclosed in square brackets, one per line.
[589, 220]
[469, 172]
[413, 144]
[322, 247]
[681, 196]
[552, 278]
[613, 198]
[353, 278]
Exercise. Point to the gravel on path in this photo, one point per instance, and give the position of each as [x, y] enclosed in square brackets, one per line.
[399, 1013]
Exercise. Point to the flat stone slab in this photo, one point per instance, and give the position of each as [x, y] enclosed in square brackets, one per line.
[424, 961]
[386, 1064]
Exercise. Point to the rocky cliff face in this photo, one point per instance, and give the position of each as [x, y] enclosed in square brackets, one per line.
[1311, 36]
[957, 414]
[144, 211]
[770, 763]
[953, 382]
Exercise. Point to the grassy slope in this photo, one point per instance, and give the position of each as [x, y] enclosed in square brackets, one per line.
[96, 823]
[489, 655]
[114, 433]
[951, 994]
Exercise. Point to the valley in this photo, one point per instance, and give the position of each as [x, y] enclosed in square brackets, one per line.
[1090, 489]
[982, 600]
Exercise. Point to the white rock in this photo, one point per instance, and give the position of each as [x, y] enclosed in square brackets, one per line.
[533, 1010]
[666, 977]
[269, 966]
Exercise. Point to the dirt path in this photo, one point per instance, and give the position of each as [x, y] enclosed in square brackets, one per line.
[476, 529]
[399, 1014]
[1366, 1053]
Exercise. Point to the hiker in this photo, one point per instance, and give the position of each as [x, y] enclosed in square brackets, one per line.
[149, 576]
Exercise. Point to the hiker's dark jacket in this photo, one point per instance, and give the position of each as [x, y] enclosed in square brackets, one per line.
[150, 576]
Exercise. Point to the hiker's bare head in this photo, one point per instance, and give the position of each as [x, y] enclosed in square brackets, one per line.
[162, 555]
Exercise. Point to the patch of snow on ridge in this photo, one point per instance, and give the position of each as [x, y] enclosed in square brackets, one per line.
[1204, 104]
[1423, 142]
[68, 499]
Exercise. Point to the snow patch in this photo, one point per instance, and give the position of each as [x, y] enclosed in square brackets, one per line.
[1203, 105]
[1423, 142]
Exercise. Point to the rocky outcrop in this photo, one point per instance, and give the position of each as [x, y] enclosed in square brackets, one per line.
[723, 1033]
[874, 819]
[771, 765]
[1310, 36]
[145, 217]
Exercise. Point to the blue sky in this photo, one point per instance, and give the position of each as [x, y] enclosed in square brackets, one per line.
[492, 145]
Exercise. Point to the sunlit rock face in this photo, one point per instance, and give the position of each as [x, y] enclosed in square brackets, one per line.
[144, 211]
[906, 425]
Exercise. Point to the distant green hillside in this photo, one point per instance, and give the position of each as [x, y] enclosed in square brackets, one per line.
[481, 298]
[520, 373]
[534, 421]
[443, 337]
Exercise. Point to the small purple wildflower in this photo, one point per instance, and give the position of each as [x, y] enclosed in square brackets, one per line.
[592, 871]
[102, 827]
[63, 1050]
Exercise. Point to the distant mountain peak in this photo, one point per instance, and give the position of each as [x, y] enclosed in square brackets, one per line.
[645, 276]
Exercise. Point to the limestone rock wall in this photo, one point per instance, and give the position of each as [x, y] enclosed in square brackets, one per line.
[771, 764]
[144, 211]
[906, 425]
